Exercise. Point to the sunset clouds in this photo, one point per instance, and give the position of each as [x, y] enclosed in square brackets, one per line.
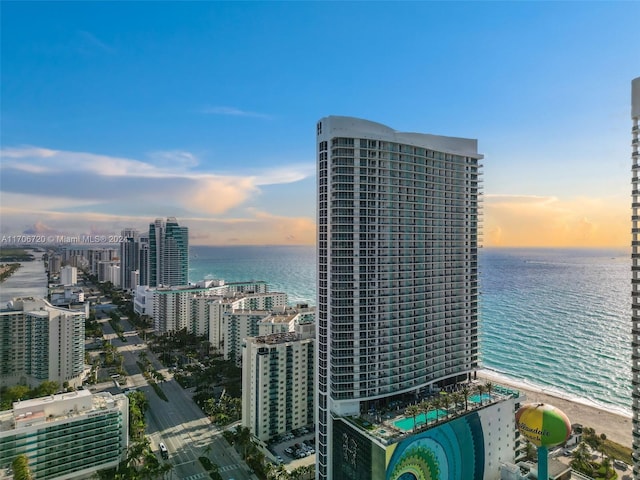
[75, 192]
[518, 221]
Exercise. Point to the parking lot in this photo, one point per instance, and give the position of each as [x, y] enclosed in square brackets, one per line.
[296, 451]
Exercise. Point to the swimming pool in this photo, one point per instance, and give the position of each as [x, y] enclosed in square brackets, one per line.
[406, 424]
[476, 398]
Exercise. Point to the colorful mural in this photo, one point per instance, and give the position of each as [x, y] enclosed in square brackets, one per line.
[451, 451]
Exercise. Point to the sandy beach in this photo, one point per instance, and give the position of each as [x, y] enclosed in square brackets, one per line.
[615, 426]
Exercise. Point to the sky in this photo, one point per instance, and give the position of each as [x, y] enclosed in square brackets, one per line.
[116, 113]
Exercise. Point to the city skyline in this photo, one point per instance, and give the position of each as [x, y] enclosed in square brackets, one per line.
[205, 111]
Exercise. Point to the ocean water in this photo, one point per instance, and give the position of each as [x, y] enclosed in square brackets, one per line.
[286, 269]
[557, 319]
[561, 320]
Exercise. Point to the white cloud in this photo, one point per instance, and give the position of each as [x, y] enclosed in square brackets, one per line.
[43, 181]
[233, 111]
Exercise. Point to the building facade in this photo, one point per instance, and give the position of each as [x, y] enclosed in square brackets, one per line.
[277, 383]
[635, 269]
[168, 253]
[71, 435]
[68, 275]
[41, 342]
[475, 444]
[129, 257]
[397, 268]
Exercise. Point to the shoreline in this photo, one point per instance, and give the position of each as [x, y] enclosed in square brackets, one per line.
[614, 422]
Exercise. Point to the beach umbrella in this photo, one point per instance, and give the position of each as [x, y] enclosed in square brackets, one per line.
[544, 426]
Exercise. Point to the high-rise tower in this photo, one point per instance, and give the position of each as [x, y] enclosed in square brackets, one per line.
[168, 253]
[129, 257]
[397, 270]
[635, 269]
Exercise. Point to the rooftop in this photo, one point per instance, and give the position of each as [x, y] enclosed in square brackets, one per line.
[276, 338]
[52, 408]
[389, 423]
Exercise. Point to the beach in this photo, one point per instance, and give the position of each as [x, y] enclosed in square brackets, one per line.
[615, 425]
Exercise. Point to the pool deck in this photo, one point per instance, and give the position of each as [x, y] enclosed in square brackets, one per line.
[382, 425]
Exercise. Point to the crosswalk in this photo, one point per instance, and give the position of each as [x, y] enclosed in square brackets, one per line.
[198, 476]
[227, 468]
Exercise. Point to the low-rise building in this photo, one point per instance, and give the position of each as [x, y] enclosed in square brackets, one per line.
[70, 435]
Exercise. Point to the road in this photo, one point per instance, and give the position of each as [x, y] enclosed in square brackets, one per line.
[178, 423]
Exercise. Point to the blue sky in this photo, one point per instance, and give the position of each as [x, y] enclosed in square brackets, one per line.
[116, 113]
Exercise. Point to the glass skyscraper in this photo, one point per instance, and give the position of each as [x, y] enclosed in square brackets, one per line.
[168, 253]
[397, 264]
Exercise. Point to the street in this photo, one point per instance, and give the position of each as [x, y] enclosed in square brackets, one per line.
[178, 423]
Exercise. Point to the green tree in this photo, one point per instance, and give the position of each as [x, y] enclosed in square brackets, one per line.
[480, 389]
[243, 437]
[581, 459]
[425, 406]
[456, 399]
[465, 392]
[20, 467]
[606, 466]
[488, 387]
[413, 411]
[48, 387]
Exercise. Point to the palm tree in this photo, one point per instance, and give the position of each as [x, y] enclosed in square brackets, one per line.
[243, 437]
[270, 471]
[480, 389]
[425, 406]
[456, 398]
[413, 411]
[282, 473]
[606, 464]
[488, 386]
[581, 458]
[437, 403]
[444, 402]
[602, 444]
[465, 392]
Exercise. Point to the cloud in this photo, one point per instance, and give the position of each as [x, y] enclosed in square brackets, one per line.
[529, 220]
[68, 190]
[234, 112]
[174, 158]
[91, 42]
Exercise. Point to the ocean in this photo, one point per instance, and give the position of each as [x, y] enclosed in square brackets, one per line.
[554, 319]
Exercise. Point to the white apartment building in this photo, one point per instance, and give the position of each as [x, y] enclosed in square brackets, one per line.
[277, 383]
[172, 308]
[288, 320]
[71, 435]
[397, 269]
[109, 271]
[635, 269]
[69, 275]
[226, 331]
[41, 342]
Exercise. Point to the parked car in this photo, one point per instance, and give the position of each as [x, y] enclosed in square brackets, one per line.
[620, 464]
